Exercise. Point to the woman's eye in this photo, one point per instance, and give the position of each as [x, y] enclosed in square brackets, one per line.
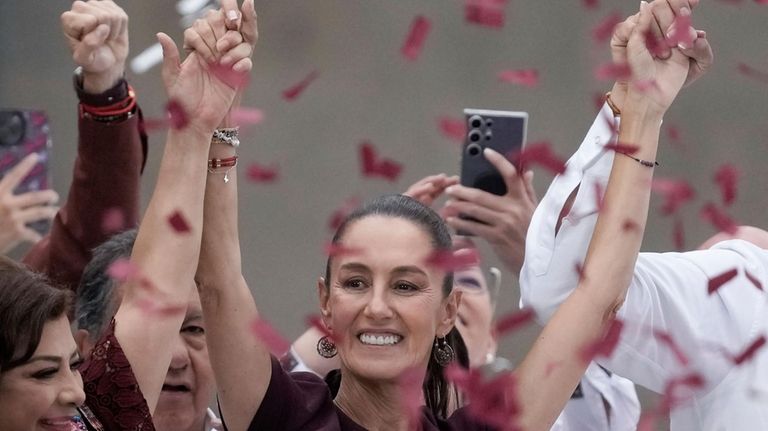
[405, 287]
[76, 365]
[354, 283]
[45, 374]
[192, 329]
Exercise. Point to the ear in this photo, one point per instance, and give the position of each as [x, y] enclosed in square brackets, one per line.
[450, 309]
[83, 341]
[324, 295]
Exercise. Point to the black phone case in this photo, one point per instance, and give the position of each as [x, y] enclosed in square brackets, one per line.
[502, 131]
[23, 132]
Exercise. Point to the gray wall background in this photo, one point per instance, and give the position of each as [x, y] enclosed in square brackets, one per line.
[366, 90]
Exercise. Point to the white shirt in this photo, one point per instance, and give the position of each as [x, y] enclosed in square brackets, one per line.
[668, 293]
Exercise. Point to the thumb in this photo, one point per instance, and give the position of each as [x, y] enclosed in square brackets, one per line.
[529, 190]
[170, 59]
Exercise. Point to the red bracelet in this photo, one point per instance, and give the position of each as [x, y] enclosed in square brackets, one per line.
[116, 109]
[222, 163]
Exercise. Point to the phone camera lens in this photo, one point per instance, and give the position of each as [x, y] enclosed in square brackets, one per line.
[12, 128]
[488, 135]
[475, 121]
[489, 122]
[473, 149]
[475, 135]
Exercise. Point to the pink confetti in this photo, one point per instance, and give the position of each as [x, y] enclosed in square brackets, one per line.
[718, 218]
[451, 260]
[514, 321]
[488, 13]
[751, 72]
[750, 351]
[604, 29]
[417, 35]
[492, 402]
[245, 116]
[674, 192]
[681, 33]
[539, 153]
[150, 306]
[726, 177]
[269, 336]
[122, 270]
[373, 166]
[410, 387]
[339, 250]
[113, 220]
[177, 116]
[523, 77]
[718, 281]
[630, 225]
[605, 346]
[752, 279]
[622, 148]
[655, 46]
[341, 213]
[229, 76]
[591, 4]
[671, 398]
[666, 339]
[453, 128]
[612, 72]
[178, 222]
[257, 173]
[293, 93]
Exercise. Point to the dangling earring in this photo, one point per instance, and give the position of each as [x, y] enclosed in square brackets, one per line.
[326, 348]
[443, 352]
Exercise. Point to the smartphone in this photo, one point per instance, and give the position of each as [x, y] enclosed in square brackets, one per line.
[23, 132]
[502, 131]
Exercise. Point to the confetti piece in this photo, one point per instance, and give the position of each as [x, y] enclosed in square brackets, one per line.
[514, 321]
[613, 72]
[269, 336]
[151, 125]
[622, 148]
[671, 397]
[293, 93]
[678, 234]
[666, 339]
[605, 346]
[538, 153]
[655, 46]
[113, 220]
[257, 173]
[373, 166]
[492, 402]
[178, 222]
[630, 225]
[750, 351]
[681, 32]
[417, 35]
[177, 117]
[453, 128]
[339, 250]
[590, 4]
[410, 386]
[603, 31]
[451, 260]
[245, 116]
[726, 177]
[753, 73]
[523, 77]
[341, 213]
[488, 13]
[674, 192]
[718, 218]
[752, 279]
[122, 270]
[227, 75]
[718, 281]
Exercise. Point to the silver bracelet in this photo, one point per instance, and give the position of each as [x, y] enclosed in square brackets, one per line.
[226, 136]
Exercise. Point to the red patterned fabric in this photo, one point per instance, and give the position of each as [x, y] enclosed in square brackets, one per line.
[112, 392]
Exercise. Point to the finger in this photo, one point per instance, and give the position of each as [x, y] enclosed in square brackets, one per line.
[106, 15]
[230, 40]
[662, 19]
[75, 25]
[420, 184]
[205, 32]
[515, 187]
[215, 19]
[477, 196]
[85, 52]
[249, 28]
[19, 172]
[171, 63]
[644, 23]
[29, 235]
[193, 42]
[422, 193]
[701, 57]
[529, 190]
[470, 227]
[42, 197]
[231, 13]
[244, 65]
[33, 214]
[468, 209]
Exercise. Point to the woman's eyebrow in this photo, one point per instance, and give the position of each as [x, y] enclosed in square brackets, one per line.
[469, 280]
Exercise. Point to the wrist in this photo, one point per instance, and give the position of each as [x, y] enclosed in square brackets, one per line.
[97, 83]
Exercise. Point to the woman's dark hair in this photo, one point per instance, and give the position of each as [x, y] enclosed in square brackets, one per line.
[436, 388]
[27, 302]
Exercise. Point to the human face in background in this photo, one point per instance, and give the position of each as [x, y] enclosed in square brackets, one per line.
[43, 393]
[189, 384]
[384, 304]
[475, 317]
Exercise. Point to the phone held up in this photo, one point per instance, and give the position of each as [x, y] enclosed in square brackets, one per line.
[502, 131]
[23, 132]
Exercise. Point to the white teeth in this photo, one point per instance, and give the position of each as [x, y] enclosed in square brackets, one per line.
[380, 340]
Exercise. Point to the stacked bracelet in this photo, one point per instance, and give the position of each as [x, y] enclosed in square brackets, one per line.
[214, 166]
[119, 111]
[227, 136]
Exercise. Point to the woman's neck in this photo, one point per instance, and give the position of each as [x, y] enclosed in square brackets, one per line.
[375, 406]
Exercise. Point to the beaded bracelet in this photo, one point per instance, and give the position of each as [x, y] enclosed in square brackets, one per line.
[229, 163]
[645, 163]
